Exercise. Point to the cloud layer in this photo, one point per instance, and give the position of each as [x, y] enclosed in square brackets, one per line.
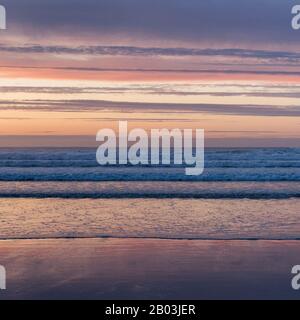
[172, 20]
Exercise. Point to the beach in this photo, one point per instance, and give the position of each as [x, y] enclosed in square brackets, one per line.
[148, 269]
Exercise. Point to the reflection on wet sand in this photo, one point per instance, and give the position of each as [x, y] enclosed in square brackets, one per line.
[144, 268]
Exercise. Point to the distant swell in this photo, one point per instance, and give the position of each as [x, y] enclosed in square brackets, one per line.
[261, 173]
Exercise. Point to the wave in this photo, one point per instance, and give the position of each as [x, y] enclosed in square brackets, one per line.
[92, 163]
[158, 190]
[147, 174]
[254, 196]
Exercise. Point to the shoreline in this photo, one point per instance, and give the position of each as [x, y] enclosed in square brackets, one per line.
[148, 238]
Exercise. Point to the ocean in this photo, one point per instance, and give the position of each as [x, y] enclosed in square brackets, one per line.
[63, 193]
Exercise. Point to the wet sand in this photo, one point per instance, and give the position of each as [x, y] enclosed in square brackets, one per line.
[148, 269]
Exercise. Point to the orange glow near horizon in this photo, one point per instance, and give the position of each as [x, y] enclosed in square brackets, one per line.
[144, 76]
[76, 95]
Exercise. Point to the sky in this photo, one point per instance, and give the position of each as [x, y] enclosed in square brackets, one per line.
[71, 67]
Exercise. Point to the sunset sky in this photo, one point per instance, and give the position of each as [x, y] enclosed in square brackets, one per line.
[71, 67]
